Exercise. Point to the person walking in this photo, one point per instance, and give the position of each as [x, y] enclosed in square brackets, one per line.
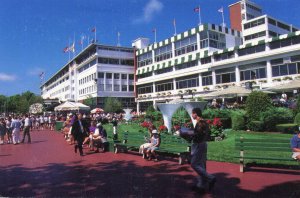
[16, 127]
[79, 131]
[27, 125]
[199, 153]
[115, 125]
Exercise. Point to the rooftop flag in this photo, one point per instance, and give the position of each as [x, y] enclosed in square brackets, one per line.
[94, 29]
[66, 49]
[221, 10]
[197, 9]
[174, 24]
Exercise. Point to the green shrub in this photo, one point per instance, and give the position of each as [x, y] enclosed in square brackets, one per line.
[152, 114]
[256, 103]
[287, 128]
[255, 125]
[276, 115]
[238, 121]
[297, 119]
[216, 113]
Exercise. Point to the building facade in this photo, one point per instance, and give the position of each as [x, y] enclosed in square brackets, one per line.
[98, 72]
[210, 57]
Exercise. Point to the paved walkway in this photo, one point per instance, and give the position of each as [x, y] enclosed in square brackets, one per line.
[48, 167]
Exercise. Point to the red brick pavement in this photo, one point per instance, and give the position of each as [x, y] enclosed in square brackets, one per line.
[48, 167]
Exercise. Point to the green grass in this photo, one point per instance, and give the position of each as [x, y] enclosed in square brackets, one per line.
[224, 151]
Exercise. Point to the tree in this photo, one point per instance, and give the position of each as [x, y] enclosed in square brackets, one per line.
[112, 105]
[90, 101]
[256, 103]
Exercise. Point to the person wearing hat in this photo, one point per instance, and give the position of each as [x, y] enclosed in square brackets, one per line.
[199, 153]
[295, 146]
[155, 143]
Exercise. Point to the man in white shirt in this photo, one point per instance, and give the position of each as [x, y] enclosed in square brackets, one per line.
[27, 125]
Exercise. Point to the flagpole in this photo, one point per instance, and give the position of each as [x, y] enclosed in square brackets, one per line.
[73, 45]
[174, 27]
[118, 40]
[69, 49]
[95, 34]
[199, 15]
[223, 24]
[155, 35]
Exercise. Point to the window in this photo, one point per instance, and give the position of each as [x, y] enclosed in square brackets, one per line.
[108, 75]
[108, 87]
[131, 87]
[205, 60]
[164, 86]
[252, 74]
[163, 53]
[272, 21]
[116, 87]
[251, 50]
[224, 56]
[116, 76]
[283, 26]
[148, 88]
[206, 79]
[225, 77]
[281, 69]
[254, 23]
[186, 45]
[256, 35]
[145, 59]
[124, 87]
[124, 76]
[285, 42]
[164, 70]
[187, 82]
[131, 77]
[145, 75]
[186, 65]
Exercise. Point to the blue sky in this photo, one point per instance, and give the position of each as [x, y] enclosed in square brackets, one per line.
[33, 33]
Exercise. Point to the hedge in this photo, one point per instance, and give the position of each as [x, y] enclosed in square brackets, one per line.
[255, 125]
[287, 128]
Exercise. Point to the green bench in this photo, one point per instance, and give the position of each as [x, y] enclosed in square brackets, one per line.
[170, 145]
[175, 146]
[129, 142]
[254, 149]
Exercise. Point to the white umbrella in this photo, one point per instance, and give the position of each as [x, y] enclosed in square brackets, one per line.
[97, 110]
[232, 91]
[72, 106]
[294, 84]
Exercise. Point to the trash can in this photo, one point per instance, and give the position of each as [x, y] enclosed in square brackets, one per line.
[58, 125]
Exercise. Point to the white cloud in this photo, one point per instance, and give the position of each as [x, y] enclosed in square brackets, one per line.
[35, 71]
[7, 77]
[153, 7]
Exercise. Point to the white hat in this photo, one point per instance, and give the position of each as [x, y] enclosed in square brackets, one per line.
[154, 131]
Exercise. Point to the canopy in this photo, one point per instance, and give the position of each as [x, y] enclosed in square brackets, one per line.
[230, 92]
[294, 84]
[72, 106]
[97, 110]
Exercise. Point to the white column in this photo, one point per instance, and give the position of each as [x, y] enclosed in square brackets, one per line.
[174, 84]
[198, 41]
[214, 80]
[200, 80]
[153, 56]
[154, 91]
[104, 81]
[138, 108]
[112, 81]
[269, 71]
[127, 82]
[237, 74]
[120, 80]
[173, 50]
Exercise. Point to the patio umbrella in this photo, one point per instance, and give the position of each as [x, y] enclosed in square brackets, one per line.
[294, 84]
[97, 110]
[233, 91]
[72, 106]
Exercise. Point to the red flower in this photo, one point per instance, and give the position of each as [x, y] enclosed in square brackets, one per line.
[146, 124]
[162, 128]
[176, 127]
[217, 122]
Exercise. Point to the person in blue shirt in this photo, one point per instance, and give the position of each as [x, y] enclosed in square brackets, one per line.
[295, 146]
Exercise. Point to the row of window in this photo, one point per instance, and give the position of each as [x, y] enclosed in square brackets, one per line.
[282, 69]
[87, 79]
[87, 65]
[254, 23]
[87, 90]
[115, 49]
[278, 24]
[116, 76]
[285, 42]
[110, 87]
[57, 83]
[255, 35]
[114, 61]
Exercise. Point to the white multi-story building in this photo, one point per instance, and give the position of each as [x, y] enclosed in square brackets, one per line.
[209, 57]
[99, 71]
